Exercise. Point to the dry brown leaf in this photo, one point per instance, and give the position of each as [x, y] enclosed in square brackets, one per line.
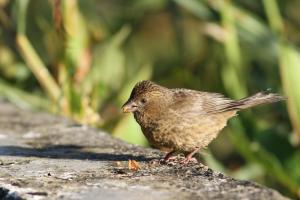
[133, 165]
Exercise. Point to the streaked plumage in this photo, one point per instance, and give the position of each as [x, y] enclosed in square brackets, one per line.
[183, 119]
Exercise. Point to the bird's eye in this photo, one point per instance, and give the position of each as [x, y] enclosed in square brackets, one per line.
[143, 100]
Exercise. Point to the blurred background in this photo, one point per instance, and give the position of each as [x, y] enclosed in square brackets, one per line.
[80, 59]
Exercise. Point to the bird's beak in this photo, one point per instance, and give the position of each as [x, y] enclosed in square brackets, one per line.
[129, 106]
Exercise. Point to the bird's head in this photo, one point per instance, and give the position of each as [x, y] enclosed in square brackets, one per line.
[146, 96]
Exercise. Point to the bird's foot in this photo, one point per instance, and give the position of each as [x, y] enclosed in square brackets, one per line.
[189, 157]
[168, 158]
[187, 160]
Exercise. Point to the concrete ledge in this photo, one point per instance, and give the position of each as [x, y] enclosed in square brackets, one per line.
[48, 157]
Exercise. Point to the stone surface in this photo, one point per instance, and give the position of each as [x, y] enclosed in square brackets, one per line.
[48, 157]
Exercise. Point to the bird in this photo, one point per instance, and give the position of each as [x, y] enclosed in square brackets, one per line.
[185, 120]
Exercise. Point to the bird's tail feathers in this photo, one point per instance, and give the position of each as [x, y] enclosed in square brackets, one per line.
[257, 99]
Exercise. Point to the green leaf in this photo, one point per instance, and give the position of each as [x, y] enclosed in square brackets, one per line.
[290, 73]
[108, 66]
[196, 7]
[22, 98]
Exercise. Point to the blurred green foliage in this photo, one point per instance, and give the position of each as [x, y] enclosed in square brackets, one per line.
[82, 58]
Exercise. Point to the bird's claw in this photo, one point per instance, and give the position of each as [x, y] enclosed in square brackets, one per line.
[187, 160]
[168, 160]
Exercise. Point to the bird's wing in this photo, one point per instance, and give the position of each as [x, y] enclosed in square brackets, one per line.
[190, 102]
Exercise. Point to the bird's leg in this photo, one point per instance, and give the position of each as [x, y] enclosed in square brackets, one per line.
[164, 160]
[189, 157]
[168, 156]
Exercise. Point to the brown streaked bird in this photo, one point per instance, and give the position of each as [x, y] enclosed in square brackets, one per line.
[185, 120]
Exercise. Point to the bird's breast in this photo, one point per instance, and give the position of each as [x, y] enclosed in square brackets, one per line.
[152, 127]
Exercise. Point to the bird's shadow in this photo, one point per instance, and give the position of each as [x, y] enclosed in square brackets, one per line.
[67, 152]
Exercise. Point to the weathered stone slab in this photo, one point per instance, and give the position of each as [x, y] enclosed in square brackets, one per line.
[48, 157]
